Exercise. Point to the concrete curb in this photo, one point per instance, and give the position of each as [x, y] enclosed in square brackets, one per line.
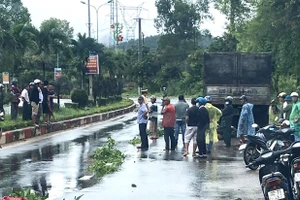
[30, 132]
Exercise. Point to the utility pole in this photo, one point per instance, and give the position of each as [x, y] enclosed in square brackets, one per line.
[140, 50]
[117, 21]
[89, 25]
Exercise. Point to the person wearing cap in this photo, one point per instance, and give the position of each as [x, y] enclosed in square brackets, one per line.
[168, 123]
[26, 103]
[288, 108]
[295, 115]
[246, 118]
[214, 116]
[226, 121]
[180, 108]
[153, 117]
[281, 96]
[202, 126]
[34, 98]
[142, 120]
[192, 117]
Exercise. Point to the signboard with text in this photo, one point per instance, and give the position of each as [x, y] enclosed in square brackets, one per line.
[5, 77]
[57, 73]
[92, 65]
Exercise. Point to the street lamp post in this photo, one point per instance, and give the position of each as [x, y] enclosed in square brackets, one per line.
[96, 9]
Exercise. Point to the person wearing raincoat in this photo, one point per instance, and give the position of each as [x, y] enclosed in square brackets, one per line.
[246, 118]
[295, 115]
[214, 116]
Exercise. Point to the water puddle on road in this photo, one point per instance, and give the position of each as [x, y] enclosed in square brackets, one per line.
[53, 165]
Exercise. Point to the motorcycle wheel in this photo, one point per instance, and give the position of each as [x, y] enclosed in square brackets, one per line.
[296, 191]
[250, 154]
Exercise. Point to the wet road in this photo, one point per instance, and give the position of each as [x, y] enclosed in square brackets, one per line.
[62, 159]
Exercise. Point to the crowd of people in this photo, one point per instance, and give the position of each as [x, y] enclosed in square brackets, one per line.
[201, 122]
[289, 110]
[37, 100]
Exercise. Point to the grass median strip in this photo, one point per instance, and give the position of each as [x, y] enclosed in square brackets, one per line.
[65, 114]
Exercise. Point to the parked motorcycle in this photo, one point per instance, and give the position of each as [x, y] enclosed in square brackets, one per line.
[270, 137]
[275, 177]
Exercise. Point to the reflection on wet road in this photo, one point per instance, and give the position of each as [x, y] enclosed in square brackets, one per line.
[57, 163]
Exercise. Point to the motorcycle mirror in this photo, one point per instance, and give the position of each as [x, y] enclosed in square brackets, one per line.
[296, 145]
[254, 125]
[286, 122]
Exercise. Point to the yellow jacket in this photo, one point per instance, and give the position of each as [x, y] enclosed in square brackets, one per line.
[214, 116]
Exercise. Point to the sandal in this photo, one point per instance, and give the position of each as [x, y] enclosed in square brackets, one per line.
[186, 153]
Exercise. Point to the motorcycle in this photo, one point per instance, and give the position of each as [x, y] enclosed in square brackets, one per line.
[270, 137]
[275, 177]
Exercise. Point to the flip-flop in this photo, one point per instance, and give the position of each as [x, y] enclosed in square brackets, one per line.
[186, 153]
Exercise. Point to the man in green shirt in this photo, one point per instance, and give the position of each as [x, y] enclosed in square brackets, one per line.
[295, 115]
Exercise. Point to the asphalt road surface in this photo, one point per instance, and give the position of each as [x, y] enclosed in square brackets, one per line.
[60, 160]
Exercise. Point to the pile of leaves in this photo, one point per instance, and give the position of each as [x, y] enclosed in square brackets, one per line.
[106, 159]
[137, 140]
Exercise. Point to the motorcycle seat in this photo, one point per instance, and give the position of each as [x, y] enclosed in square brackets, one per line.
[285, 131]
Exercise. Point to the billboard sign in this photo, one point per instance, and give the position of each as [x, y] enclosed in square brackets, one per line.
[57, 73]
[92, 64]
[5, 77]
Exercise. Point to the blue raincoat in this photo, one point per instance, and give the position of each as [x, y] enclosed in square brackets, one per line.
[246, 120]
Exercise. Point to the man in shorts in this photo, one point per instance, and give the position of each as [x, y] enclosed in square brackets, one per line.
[191, 118]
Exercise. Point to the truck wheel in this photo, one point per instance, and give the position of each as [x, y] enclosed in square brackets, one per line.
[250, 154]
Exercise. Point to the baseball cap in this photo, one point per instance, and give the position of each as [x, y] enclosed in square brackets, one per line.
[281, 94]
[36, 81]
[152, 97]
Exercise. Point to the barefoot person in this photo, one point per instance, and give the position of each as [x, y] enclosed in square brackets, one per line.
[142, 121]
[191, 118]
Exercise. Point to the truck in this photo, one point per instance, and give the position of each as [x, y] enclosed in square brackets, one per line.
[236, 74]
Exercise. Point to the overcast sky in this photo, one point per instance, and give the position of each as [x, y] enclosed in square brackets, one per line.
[76, 13]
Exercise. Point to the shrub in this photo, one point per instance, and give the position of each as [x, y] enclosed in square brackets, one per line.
[79, 96]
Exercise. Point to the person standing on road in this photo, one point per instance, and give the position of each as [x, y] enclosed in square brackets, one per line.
[34, 101]
[192, 117]
[180, 108]
[153, 118]
[203, 125]
[41, 99]
[144, 95]
[295, 115]
[52, 96]
[26, 103]
[246, 118]
[168, 123]
[214, 116]
[46, 102]
[142, 121]
[281, 96]
[226, 121]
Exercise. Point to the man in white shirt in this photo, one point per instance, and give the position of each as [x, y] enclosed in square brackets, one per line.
[281, 96]
[26, 103]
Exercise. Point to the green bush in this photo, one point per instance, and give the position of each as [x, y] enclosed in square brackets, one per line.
[79, 96]
[102, 101]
